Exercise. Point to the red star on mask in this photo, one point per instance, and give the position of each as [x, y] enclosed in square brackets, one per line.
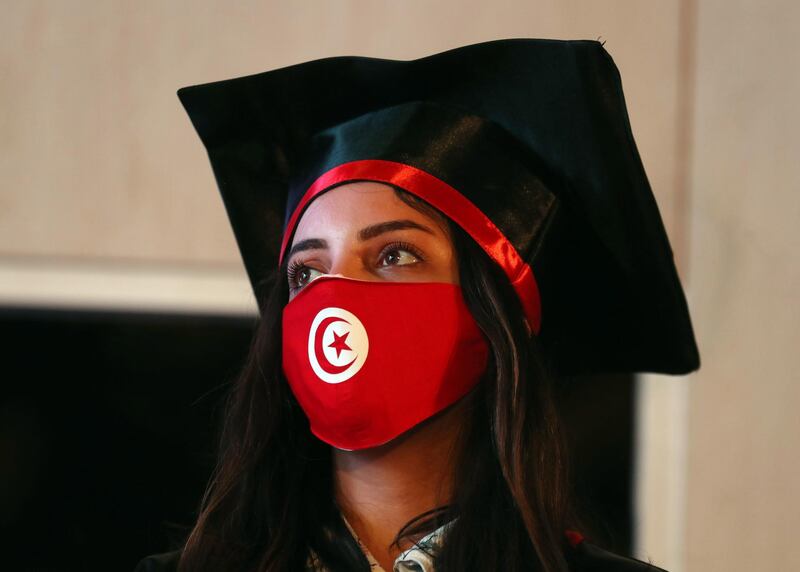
[339, 343]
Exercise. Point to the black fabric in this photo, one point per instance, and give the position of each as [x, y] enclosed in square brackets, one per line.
[586, 557]
[534, 132]
[167, 562]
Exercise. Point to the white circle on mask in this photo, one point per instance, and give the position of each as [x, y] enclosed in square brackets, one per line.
[337, 345]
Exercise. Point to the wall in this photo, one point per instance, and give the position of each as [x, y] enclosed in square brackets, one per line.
[99, 160]
[743, 504]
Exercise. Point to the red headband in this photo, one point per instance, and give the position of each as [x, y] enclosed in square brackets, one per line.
[449, 201]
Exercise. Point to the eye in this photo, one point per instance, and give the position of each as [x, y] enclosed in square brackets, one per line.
[299, 275]
[399, 255]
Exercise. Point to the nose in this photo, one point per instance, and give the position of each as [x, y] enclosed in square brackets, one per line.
[349, 265]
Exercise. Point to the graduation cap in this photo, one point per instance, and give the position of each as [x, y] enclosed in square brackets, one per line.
[525, 144]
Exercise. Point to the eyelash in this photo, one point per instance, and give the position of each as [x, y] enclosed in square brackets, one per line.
[297, 265]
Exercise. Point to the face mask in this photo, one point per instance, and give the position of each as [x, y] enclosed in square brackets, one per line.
[367, 361]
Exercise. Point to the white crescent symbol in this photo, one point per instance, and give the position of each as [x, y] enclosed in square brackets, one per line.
[331, 365]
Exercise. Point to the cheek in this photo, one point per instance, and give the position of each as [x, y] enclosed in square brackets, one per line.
[454, 274]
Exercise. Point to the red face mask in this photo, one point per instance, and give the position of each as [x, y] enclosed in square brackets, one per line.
[367, 361]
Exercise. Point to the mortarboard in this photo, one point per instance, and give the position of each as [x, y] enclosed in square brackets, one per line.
[526, 144]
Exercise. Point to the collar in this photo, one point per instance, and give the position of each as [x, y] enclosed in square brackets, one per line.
[418, 558]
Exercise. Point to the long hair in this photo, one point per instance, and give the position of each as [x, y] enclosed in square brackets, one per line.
[270, 502]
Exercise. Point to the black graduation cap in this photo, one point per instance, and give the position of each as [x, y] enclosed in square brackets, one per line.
[524, 143]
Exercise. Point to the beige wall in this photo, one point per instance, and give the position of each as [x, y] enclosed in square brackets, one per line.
[99, 160]
[743, 504]
[106, 198]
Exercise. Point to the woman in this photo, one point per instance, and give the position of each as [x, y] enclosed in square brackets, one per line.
[459, 230]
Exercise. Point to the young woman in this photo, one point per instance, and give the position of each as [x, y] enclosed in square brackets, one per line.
[459, 231]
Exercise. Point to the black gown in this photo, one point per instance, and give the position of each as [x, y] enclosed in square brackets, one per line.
[585, 557]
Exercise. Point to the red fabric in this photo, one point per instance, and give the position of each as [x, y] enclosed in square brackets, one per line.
[574, 538]
[368, 361]
[450, 202]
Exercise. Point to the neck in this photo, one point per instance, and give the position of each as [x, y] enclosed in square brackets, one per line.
[381, 489]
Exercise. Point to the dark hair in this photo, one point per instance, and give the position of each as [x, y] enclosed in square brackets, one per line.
[270, 502]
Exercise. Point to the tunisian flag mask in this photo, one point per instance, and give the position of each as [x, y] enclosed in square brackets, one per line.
[367, 361]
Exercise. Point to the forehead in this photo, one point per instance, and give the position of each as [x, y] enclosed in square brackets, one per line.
[352, 206]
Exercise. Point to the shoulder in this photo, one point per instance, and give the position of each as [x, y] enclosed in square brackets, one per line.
[167, 562]
[587, 557]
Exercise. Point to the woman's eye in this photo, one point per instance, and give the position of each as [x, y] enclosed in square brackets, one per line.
[398, 257]
[303, 275]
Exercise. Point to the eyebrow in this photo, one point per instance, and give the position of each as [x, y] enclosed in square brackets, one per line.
[365, 233]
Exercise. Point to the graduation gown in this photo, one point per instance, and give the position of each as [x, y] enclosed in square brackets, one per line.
[585, 557]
